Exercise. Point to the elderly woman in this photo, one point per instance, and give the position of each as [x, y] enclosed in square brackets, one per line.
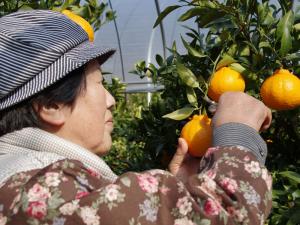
[56, 120]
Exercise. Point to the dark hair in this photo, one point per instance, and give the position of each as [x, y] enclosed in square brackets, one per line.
[23, 114]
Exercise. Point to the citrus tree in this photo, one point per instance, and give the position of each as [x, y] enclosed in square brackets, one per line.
[257, 45]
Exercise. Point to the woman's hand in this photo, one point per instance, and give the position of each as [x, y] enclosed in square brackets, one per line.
[235, 107]
[183, 165]
[239, 107]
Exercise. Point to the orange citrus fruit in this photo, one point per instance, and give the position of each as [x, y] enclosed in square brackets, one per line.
[281, 91]
[225, 79]
[198, 135]
[85, 25]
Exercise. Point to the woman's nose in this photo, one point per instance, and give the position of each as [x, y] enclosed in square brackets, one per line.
[110, 100]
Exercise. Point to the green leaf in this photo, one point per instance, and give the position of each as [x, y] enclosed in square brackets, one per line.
[252, 46]
[296, 194]
[164, 13]
[180, 114]
[65, 5]
[110, 15]
[159, 60]
[191, 50]
[208, 18]
[245, 51]
[286, 4]
[232, 49]
[293, 56]
[205, 3]
[277, 193]
[265, 14]
[291, 175]
[283, 32]
[264, 44]
[192, 97]
[201, 80]
[141, 64]
[193, 32]
[26, 7]
[167, 69]
[295, 217]
[225, 61]
[237, 67]
[174, 47]
[187, 76]
[190, 14]
[297, 27]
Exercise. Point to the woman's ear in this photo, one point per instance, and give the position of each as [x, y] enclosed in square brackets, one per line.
[53, 114]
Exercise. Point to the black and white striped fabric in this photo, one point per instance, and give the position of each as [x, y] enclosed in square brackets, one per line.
[37, 48]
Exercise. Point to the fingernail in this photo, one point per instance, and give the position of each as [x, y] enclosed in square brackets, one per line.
[179, 142]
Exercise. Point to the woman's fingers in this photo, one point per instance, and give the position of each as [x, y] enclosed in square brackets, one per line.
[268, 119]
[238, 107]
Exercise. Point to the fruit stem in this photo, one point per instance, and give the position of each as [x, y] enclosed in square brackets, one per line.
[202, 110]
[202, 91]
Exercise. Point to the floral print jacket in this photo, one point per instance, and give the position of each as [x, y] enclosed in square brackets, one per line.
[232, 187]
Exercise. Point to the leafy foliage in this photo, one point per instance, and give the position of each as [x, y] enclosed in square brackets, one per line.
[127, 152]
[96, 13]
[252, 37]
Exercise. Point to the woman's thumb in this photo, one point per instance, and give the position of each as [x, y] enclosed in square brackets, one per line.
[179, 156]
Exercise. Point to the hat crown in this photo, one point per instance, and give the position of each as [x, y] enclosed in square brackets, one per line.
[32, 40]
[43, 29]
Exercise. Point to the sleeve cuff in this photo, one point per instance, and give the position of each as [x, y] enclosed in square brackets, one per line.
[238, 134]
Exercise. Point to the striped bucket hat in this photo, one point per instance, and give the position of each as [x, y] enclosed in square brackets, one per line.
[38, 48]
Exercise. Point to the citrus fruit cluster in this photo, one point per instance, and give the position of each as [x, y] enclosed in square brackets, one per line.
[281, 91]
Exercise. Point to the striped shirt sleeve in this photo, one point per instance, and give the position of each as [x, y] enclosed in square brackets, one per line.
[238, 134]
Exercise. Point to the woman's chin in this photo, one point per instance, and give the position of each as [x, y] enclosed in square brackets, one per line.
[103, 149]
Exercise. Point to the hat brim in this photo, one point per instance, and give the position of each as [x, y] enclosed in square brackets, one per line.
[71, 60]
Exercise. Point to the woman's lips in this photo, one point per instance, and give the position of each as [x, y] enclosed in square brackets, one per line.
[110, 124]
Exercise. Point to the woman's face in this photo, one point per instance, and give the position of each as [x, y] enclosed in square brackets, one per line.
[90, 121]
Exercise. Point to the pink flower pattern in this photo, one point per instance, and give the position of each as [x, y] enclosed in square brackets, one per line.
[94, 173]
[37, 209]
[252, 167]
[52, 179]
[212, 207]
[81, 194]
[184, 205]
[38, 193]
[229, 185]
[148, 183]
